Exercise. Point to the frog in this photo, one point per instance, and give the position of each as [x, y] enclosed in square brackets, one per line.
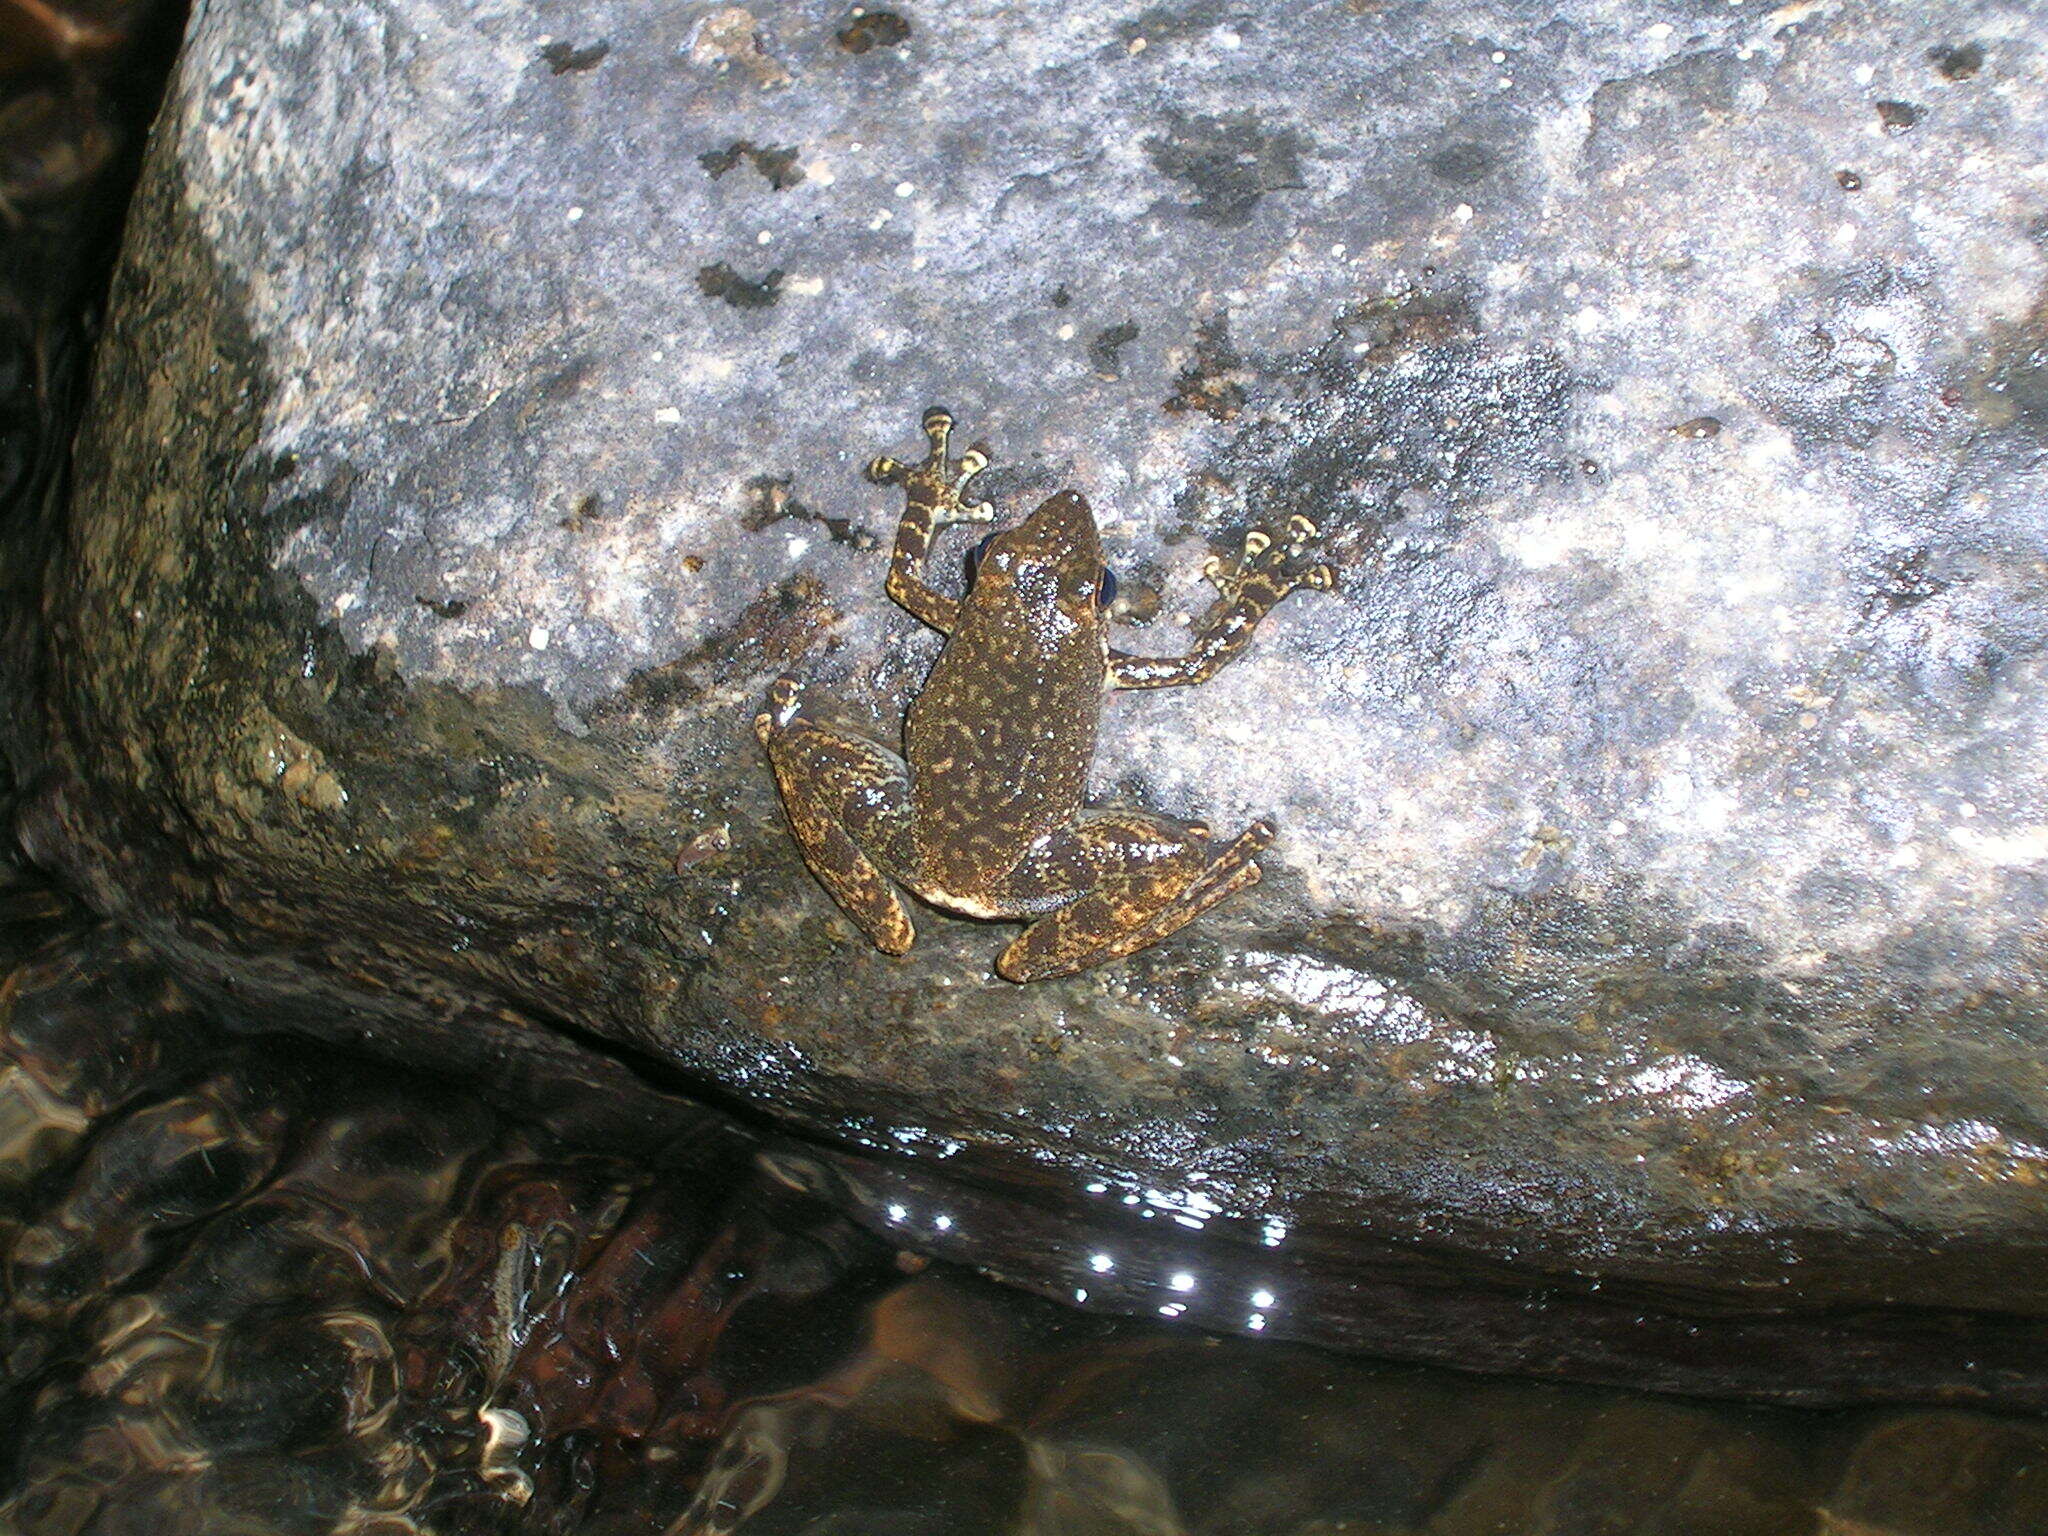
[983, 814]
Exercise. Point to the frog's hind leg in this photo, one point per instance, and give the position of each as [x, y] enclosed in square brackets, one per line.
[848, 800]
[1140, 877]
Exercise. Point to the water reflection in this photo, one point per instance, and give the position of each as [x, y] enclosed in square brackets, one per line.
[257, 1286]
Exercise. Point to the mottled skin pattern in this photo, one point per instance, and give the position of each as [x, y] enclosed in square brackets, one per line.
[986, 816]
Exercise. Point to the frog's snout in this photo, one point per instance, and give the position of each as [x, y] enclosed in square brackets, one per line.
[1060, 532]
[1062, 513]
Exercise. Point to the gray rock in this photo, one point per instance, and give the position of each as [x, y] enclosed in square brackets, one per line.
[1664, 818]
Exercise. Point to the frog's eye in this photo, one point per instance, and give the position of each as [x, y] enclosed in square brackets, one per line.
[974, 557]
[1105, 590]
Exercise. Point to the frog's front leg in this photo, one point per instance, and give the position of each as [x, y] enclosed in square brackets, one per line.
[848, 800]
[932, 493]
[1265, 573]
[1117, 882]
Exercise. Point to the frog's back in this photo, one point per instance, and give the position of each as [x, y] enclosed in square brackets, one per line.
[1000, 741]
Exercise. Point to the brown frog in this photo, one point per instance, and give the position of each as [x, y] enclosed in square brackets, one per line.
[986, 816]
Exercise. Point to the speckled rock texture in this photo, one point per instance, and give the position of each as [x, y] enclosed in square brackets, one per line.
[1664, 815]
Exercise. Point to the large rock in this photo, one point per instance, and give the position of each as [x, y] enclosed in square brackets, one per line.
[1663, 804]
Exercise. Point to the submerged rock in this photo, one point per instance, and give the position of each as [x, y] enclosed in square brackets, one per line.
[1656, 913]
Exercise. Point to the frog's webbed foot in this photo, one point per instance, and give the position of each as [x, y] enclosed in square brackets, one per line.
[938, 486]
[1252, 585]
[934, 497]
[1269, 568]
[1150, 877]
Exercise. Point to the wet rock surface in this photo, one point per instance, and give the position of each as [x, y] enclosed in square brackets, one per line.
[78, 86]
[1661, 798]
[263, 1286]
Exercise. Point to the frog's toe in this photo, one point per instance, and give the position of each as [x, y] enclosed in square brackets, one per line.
[938, 427]
[1266, 550]
[1304, 541]
[785, 701]
[1278, 562]
[972, 463]
[1293, 574]
[940, 482]
[1132, 910]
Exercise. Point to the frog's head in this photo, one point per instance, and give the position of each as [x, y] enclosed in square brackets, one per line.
[1053, 557]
